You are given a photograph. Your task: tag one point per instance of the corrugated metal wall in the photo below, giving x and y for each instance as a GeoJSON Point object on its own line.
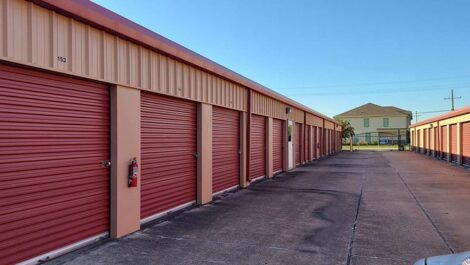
{"type": "Point", "coordinates": [39, 37]}
{"type": "Point", "coordinates": [266, 106]}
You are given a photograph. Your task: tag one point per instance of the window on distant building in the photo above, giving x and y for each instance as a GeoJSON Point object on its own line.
{"type": "Point", "coordinates": [385, 122]}
{"type": "Point", "coordinates": [366, 123]}
{"type": "Point", "coordinates": [368, 140]}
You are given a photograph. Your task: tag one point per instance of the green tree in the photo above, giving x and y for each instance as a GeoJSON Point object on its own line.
{"type": "Point", "coordinates": [348, 130]}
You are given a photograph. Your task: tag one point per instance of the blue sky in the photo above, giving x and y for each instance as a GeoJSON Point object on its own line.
{"type": "Point", "coordinates": [330, 55]}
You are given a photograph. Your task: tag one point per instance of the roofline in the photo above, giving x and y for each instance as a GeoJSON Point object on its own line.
{"type": "Point", "coordinates": [451, 114]}
{"type": "Point", "coordinates": [102, 18]}
{"type": "Point", "coordinates": [373, 115]}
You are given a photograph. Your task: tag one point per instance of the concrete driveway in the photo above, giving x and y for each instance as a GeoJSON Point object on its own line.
{"type": "Point", "coordinates": [354, 208]}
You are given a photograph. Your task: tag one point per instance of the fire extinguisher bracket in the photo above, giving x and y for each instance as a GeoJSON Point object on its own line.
{"type": "Point", "coordinates": [133, 173]}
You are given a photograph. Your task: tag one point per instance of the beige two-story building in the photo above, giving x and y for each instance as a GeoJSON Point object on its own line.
{"type": "Point", "coordinates": [373, 123]}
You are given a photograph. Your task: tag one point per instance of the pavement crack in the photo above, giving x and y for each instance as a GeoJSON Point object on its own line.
{"type": "Point", "coordinates": [428, 216]}
{"type": "Point", "coordinates": [353, 234]}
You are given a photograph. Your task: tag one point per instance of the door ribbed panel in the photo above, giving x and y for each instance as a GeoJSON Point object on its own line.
{"type": "Point", "coordinates": [466, 143]}
{"type": "Point", "coordinates": [258, 147]}
{"type": "Point", "coordinates": [320, 142]}
{"type": "Point", "coordinates": [314, 142]}
{"type": "Point", "coordinates": [54, 132]}
{"type": "Point", "coordinates": [168, 146]}
{"type": "Point", "coordinates": [425, 140]}
{"type": "Point", "coordinates": [306, 143]}
{"type": "Point", "coordinates": [453, 142]}
{"type": "Point", "coordinates": [298, 142]}
{"type": "Point", "coordinates": [278, 150]}
{"type": "Point", "coordinates": [225, 148]}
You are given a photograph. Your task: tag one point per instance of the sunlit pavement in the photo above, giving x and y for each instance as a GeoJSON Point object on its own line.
{"type": "Point", "coordinates": [364, 207]}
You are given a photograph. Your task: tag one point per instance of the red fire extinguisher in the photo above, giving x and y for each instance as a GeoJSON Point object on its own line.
{"type": "Point", "coordinates": [133, 170]}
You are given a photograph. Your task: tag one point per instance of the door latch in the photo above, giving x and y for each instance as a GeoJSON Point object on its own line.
{"type": "Point", "coordinates": [105, 163]}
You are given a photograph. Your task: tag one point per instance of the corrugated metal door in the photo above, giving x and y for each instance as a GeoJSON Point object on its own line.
{"type": "Point", "coordinates": [418, 140]}
{"type": "Point", "coordinates": [413, 146]}
{"type": "Point", "coordinates": [453, 142]}
{"type": "Point", "coordinates": [436, 142]}
{"type": "Point", "coordinates": [444, 142]}
{"type": "Point", "coordinates": [278, 145]}
{"type": "Point", "coordinates": [307, 143]}
{"type": "Point", "coordinates": [327, 141]}
{"type": "Point", "coordinates": [225, 148]}
{"type": "Point", "coordinates": [425, 140]}
{"type": "Point", "coordinates": [168, 148]}
{"type": "Point", "coordinates": [258, 147]}
{"type": "Point", "coordinates": [466, 143]}
{"type": "Point", "coordinates": [320, 142]}
{"type": "Point", "coordinates": [429, 141]}
{"type": "Point", "coordinates": [298, 142]}
{"type": "Point", "coordinates": [54, 133]}
{"type": "Point", "coordinates": [314, 142]}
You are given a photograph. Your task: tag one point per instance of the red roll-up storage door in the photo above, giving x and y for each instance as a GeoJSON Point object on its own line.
{"type": "Point", "coordinates": [418, 140]}
{"type": "Point", "coordinates": [444, 139]}
{"type": "Point", "coordinates": [306, 143]}
{"type": "Point", "coordinates": [425, 140]}
{"type": "Point", "coordinates": [298, 142]}
{"type": "Point", "coordinates": [54, 134]}
{"type": "Point", "coordinates": [168, 148]}
{"type": "Point", "coordinates": [312, 146]}
{"type": "Point", "coordinates": [328, 141]}
{"type": "Point", "coordinates": [453, 142]}
{"type": "Point", "coordinates": [225, 148]}
{"type": "Point", "coordinates": [320, 142]}
{"type": "Point", "coordinates": [258, 147]}
{"type": "Point", "coordinates": [278, 145]}
{"type": "Point", "coordinates": [466, 143]}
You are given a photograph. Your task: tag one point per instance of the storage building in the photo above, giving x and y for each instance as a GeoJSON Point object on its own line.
{"type": "Point", "coordinates": [445, 137]}
{"type": "Point", "coordinates": [84, 91]}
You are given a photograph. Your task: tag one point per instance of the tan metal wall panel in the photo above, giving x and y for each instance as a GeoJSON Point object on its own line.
{"type": "Point", "coordinates": [329, 125]}
{"type": "Point", "coordinates": [314, 120]}
{"type": "Point", "coordinates": [267, 106]}
{"type": "Point", "coordinates": [38, 37]}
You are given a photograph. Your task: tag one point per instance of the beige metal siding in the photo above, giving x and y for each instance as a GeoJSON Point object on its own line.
{"type": "Point", "coordinates": [267, 106]}
{"type": "Point", "coordinates": [314, 120]}
{"type": "Point", "coordinates": [329, 125]}
{"type": "Point", "coordinates": [35, 36]}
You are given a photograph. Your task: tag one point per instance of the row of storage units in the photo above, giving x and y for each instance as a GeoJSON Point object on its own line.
{"type": "Point", "coordinates": [82, 102]}
{"type": "Point", "coordinates": [445, 137]}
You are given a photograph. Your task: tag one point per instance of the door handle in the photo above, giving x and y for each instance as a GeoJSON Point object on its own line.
{"type": "Point", "coordinates": [105, 163]}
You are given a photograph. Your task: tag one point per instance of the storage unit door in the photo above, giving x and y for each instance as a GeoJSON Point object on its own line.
{"type": "Point", "coordinates": [168, 148]}
{"type": "Point", "coordinates": [320, 142]}
{"type": "Point", "coordinates": [328, 141]}
{"type": "Point", "coordinates": [425, 140]}
{"type": "Point", "coordinates": [436, 142]}
{"type": "Point", "coordinates": [453, 142]}
{"type": "Point", "coordinates": [298, 142]}
{"type": "Point", "coordinates": [444, 139]}
{"type": "Point", "coordinates": [418, 140]}
{"type": "Point", "coordinates": [314, 142]}
{"type": "Point", "coordinates": [466, 143]}
{"type": "Point", "coordinates": [258, 147]}
{"type": "Point", "coordinates": [278, 145]}
{"type": "Point", "coordinates": [225, 148]}
{"type": "Point", "coordinates": [54, 134]}
{"type": "Point", "coordinates": [306, 143]}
